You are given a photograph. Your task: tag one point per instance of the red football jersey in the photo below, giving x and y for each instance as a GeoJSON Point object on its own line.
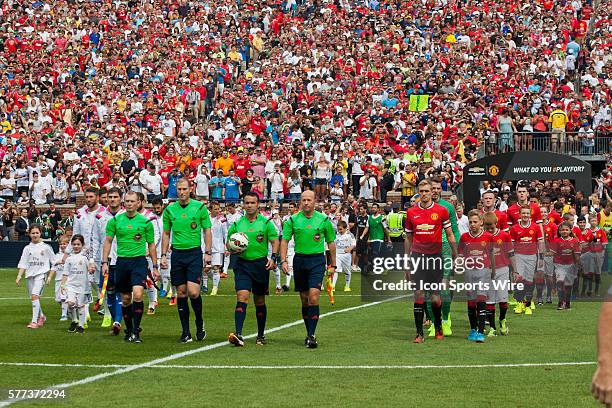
{"type": "Point", "coordinates": [426, 225]}
{"type": "Point", "coordinates": [599, 239]}
{"type": "Point", "coordinates": [526, 238]}
{"type": "Point", "coordinates": [514, 213]}
{"type": "Point", "coordinates": [564, 250]}
{"type": "Point", "coordinates": [476, 247]}
{"type": "Point", "coordinates": [587, 238]}
{"type": "Point", "coordinates": [502, 248]}
{"type": "Point", "coordinates": [555, 217]}
{"type": "Point", "coordinates": [550, 230]}
{"type": "Point", "coordinates": [502, 219]}
{"type": "Point", "coordinates": [577, 233]}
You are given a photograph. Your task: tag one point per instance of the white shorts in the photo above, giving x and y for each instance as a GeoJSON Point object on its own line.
{"type": "Point", "coordinates": [526, 266]}
{"type": "Point", "coordinates": [565, 273]}
{"type": "Point", "coordinates": [217, 259]}
{"type": "Point", "coordinates": [36, 284]}
{"type": "Point", "coordinates": [502, 278]}
{"type": "Point", "coordinates": [59, 296]}
{"type": "Point", "coordinates": [549, 267]}
{"type": "Point", "coordinates": [290, 255]}
{"type": "Point", "coordinates": [343, 262]}
{"type": "Point", "coordinates": [480, 282]}
{"type": "Point", "coordinates": [78, 299]}
{"type": "Point", "coordinates": [592, 262]}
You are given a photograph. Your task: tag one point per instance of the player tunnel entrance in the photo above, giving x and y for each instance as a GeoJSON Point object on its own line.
{"type": "Point", "coordinates": [524, 166]}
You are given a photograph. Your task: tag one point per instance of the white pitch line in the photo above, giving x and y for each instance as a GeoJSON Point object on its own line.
{"type": "Point", "coordinates": [186, 353]}
{"type": "Point", "coordinates": [301, 367]}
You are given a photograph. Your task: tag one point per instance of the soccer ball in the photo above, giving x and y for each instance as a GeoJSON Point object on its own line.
{"type": "Point", "coordinates": [238, 242]}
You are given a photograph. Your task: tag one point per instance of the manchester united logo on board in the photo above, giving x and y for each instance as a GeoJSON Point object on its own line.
{"type": "Point", "coordinates": [435, 216]}
{"type": "Point", "coordinates": [194, 225]}
{"type": "Point", "coordinates": [493, 170]}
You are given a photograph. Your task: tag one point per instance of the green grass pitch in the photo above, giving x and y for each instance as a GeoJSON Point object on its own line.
{"type": "Point", "coordinates": [369, 337]}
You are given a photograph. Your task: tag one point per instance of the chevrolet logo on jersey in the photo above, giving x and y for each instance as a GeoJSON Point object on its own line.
{"type": "Point", "coordinates": [525, 239]}
{"type": "Point", "coordinates": [425, 227]}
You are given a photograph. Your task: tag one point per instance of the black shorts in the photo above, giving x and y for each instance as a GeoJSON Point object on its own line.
{"type": "Point", "coordinates": [130, 272]}
{"type": "Point", "coordinates": [361, 247]}
{"type": "Point", "coordinates": [429, 269]}
{"type": "Point", "coordinates": [308, 271]}
{"type": "Point", "coordinates": [186, 266]}
{"type": "Point", "coordinates": [252, 275]}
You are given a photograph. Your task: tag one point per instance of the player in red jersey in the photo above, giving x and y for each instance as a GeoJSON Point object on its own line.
{"type": "Point", "coordinates": [528, 243]}
{"type": "Point", "coordinates": [488, 206]}
{"type": "Point", "coordinates": [567, 262]}
{"type": "Point", "coordinates": [504, 257]}
{"type": "Point", "coordinates": [475, 247]}
{"type": "Point", "coordinates": [514, 210]}
{"type": "Point", "coordinates": [597, 250]}
{"type": "Point", "coordinates": [585, 243]}
{"type": "Point", "coordinates": [424, 224]}
{"type": "Point", "coordinates": [550, 231]}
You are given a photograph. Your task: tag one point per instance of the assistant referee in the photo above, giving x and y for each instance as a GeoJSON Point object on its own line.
{"type": "Point", "coordinates": [252, 270]}
{"type": "Point", "coordinates": [133, 232]}
{"type": "Point", "coordinates": [310, 230]}
{"type": "Point", "coordinates": [186, 219]}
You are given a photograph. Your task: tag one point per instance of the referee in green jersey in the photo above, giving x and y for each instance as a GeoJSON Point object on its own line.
{"type": "Point", "coordinates": [186, 219]}
{"type": "Point", "coordinates": [133, 232]}
{"type": "Point", "coordinates": [252, 270]}
{"type": "Point", "coordinates": [310, 230]}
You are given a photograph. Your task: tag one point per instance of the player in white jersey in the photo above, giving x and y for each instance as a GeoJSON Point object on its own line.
{"type": "Point", "coordinates": [57, 269]}
{"type": "Point", "coordinates": [112, 303]}
{"type": "Point", "coordinates": [219, 235]}
{"type": "Point", "coordinates": [278, 223]}
{"type": "Point", "coordinates": [345, 243]}
{"type": "Point", "coordinates": [158, 227]}
{"type": "Point", "coordinates": [84, 219]}
{"type": "Point", "coordinates": [151, 289]}
{"type": "Point", "coordinates": [36, 260]}
{"type": "Point", "coordinates": [75, 282]}
{"type": "Point", "coordinates": [290, 248]}
{"type": "Point", "coordinates": [232, 215]}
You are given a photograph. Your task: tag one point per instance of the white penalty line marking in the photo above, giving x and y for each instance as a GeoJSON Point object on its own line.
{"type": "Point", "coordinates": [186, 353]}
{"type": "Point", "coordinates": [301, 367]}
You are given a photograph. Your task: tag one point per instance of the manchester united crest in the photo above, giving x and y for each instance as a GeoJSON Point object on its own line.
{"type": "Point", "coordinates": [435, 216]}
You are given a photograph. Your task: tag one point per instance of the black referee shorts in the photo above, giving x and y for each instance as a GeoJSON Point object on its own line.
{"type": "Point", "coordinates": [429, 269]}
{"type": "Point", "coordinates": [186, 266]}
{"type": "Point", "coordinates": [130, 272]}
{"type": "Point", "coordinates": [308, 271]}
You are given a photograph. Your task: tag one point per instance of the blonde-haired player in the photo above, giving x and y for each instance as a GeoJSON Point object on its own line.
{"type": "Point", "coordinates": [345, 243]}
{"type": "Point", "coordinates": [36, 260]}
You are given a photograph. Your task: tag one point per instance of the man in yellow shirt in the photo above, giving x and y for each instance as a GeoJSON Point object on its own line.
{"type": "Point", "coordinates": [558, 120]}
{"type": "Point", "coordinates": [224, 163]}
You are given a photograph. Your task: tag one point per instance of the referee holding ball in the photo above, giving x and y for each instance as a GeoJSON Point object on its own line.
{"type": "Point", "coordinates": [134, 232]}
{"type": "Point", "coordinates": [310, 230]}
{"type": "Point", "coordinates": [252, 270]}
{"type": "Point", "coordinates": [186, 219]}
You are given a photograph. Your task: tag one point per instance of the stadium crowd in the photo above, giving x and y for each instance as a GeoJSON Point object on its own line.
{"type": "Point", "coordinates": [352, 99]}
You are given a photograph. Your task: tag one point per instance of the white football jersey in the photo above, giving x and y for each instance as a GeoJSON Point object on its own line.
{"type": "Point", "coordinates": [75, 269]}
{"type": "Point", "coordinates": [36, 259]}
{"type": "Point", "coordinates": [344, 241]}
